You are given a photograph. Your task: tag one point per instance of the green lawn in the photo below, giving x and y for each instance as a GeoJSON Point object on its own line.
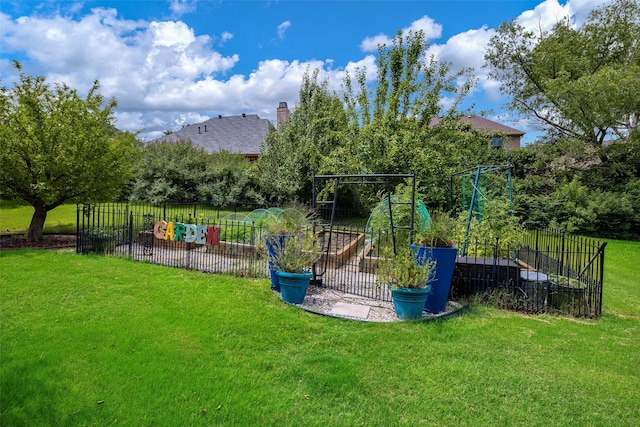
{"type": "Point", "coordinates": [89, 340]}
{"type": "Point", "coordinates": [16, 216]}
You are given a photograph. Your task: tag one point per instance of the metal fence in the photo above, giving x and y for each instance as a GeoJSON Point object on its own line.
{"type": "Point", "coordinates": [574, 266]}
{"type": "Point", "coordinates": [551, 272]}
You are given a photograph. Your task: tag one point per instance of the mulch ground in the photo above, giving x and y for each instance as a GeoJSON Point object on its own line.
{"type": "Point", "coordinates": [51, 241]}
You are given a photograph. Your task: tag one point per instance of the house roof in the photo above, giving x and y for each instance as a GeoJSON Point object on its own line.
{"type": "Point", "coordinates": [481, 123]}
{"type": "Point", "coordinates": [235, 134]}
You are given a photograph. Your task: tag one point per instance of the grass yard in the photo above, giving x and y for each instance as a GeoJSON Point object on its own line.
{"type": "Point", "coordinates": [15, 218]}
{"type": "Point", "coordinates": [88, 340]}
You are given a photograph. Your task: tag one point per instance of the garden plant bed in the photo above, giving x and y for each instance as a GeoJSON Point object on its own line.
{"type": "Point", "coordinates": [343, 246]}
{"type": "Point", "coordinates": [49, 241]}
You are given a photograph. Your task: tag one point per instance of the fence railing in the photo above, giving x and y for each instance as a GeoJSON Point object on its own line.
{"type": "Point", "coordinates": [551, 272]}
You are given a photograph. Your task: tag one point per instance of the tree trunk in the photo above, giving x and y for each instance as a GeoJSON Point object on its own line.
{"type": "Point", "coordinates": [37, 222]}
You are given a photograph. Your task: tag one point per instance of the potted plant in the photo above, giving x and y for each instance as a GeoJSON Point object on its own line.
{"type": "Point", "coordinates": [408, 278]}
{"type": "Point", "coordinates": [292, 261]}
{"type": "Point", "coordinates": [277, 229]}
{"type": "Point", "coordinates": [436, 244]}
{"type": "Point", "coordinates": [103, 240]}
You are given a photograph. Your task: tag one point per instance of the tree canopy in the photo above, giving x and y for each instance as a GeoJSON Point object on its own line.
{"type": "Point", "coordinates": [304, 147]}
{"type": "Point", "coordinates": [57, 147]}
{"type": "Point", "coordinates": [383, 126]}
{"type": "Point", "coordinates": [583, 82]}
{"type": "Point", "coordinates": [391, 127]}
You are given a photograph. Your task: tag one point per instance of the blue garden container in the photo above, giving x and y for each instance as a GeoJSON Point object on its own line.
{"type": "Point", "coordinates": [293, 286]}
{"type": "Point", "coordinates": [445, 259]}
{"type": "Point", "coordinates": [409, 302]}
{"type": "Point", "coordinates": [273, 242]}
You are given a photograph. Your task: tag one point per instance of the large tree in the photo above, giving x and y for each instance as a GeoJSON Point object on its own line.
{"type": "Point", "coordinates": [304, 147]}
{"type": "Point", "coordinates": [58, 147]}
{"type": "Point", "coordinates": [582, 82]}
{"type": "Point", "coordinates": [391, 119]}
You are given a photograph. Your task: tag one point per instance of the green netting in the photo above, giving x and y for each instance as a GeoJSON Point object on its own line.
{"type": "Point", "coordinates": [486, 186]}
{"type": "Point", "coordinates": [482, 192]}
{"type": "Point", "coordinates": [260, 214]}
{"type": "Point", "coordinates": [379, 220]}
{"type": "Point", "coordinates": [276, 211]}
{"type": "Point", "coordinates": [236, 228]}
{"type": "Point", "coordinates": [236, 217]}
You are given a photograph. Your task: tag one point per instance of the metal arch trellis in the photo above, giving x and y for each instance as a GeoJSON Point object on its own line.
{"type": "Point", "coordinates": [362, 179]}
{"type": "Point", "coordinates": [475, 174]}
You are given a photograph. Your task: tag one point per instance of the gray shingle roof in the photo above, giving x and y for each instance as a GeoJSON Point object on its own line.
{"type": "Point", "coordinates": [480, 123]}
{"type": "Point", "coordinates": [236, 134]}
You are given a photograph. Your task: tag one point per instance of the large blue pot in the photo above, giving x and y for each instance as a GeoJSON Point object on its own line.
{"type": "Point", "coordinates": [409, 302]}
{"type": "Point", "coordinates": [274, 242]}
{"type": "Point", "coordinates": [445, 259]}
{"type": "Point", "coordinates": [293, 286]}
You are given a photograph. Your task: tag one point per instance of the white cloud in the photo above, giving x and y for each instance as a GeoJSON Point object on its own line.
{"type": "Point", "coordinates": [145, 65]}
{"type": "Point", "coordinates": [225, 36]}
{"type": "Point", "coordinates": [282, 28]}
{"type": "Point", "coordinates": [427, 25]}
{"type": "Point", "coordinates": [544, 16]}
{"type": "Point", "coordinates": [432, 30]}
{"type": "Point", "coordinates": [171, 34]}
{"type": "Point", "coordinates": [464, 49]}
{"type": "Point", "coordinates": [580, 9]}
{"type": "Point", "coordinates": [181, 7]}
{"type": "Point", "coordinates": [370, 44]}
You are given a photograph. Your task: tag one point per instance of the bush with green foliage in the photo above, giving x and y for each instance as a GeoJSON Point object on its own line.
{"type": "Point", "coordinates": [180, 172]}
{"type": "Point", "coordinates": [562, 185]}
{"type": "Point", "coordinates": [493, 233]}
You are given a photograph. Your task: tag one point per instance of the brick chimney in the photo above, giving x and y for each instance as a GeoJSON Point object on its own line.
{"type": "Point", "coordinates": [283, 115]}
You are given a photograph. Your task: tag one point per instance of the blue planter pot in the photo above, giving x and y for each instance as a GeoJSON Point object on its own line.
{"type": "Point", "coordinates": [445, 259]}
{"type": "Point", "coordinates": [273, 242]}
{"type": "Point", "coordinates": [293, 286]}
{"type": "Point", "coordinates": [409, 302]}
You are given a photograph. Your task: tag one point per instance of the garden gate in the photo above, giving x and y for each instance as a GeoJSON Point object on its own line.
{"type": "Point", "coordinates": [358, 179]}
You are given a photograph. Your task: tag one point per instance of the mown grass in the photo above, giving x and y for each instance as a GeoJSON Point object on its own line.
{"type": "Point", "coordinates": [15, 217]}
{"type": "Point", "coordinates": [622, 278]}
{"type": "Point", "coordinates": [89, 340]}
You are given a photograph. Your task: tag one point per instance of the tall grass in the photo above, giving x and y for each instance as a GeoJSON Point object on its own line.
{"type": "Point", "coordinates": [89, 340]}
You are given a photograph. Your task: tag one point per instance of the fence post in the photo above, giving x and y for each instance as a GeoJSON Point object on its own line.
{"type": "Point", "coordinates": [78, 238]}
{"type": "Point", "coordinates": [601, 274]}
{"type": "Point", "coordinates": [562, 252]}
{"type": "Point", "coordinates": [536, 260]}
{"type": "Point", "coordinates": [131, 234]}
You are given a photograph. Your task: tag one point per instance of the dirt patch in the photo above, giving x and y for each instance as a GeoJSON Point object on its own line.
{"type": "Point", "coordinates": [49, 241]}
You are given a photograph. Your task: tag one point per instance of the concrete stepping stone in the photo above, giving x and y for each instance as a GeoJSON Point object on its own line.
{"type": "Point", "coordinates": [350, 310]}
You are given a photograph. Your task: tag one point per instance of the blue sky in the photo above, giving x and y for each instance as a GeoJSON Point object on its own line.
{"type": "Point", "coordinates": [174, 62]}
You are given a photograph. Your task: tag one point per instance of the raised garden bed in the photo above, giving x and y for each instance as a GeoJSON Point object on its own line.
{"type": "Point", "coordinates": [343, 246]}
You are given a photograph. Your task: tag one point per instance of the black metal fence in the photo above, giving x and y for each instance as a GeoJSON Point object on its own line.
{"type": "Point", "coordinates": [551, 272]}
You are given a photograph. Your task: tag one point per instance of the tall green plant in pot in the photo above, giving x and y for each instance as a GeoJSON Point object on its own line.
{"type": "Point", "coordinates": [103, 240]}
{"type": "Point", "coordinates": [408, 278]}
{"type": "Point", "coordinates": [293, 260]}
{"type": "Point", "coordinates": [293, 220]}
{"type": "Point", "coordinates": [436, 244]}
{"type": "Point", "coordinates": [567, 294]}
